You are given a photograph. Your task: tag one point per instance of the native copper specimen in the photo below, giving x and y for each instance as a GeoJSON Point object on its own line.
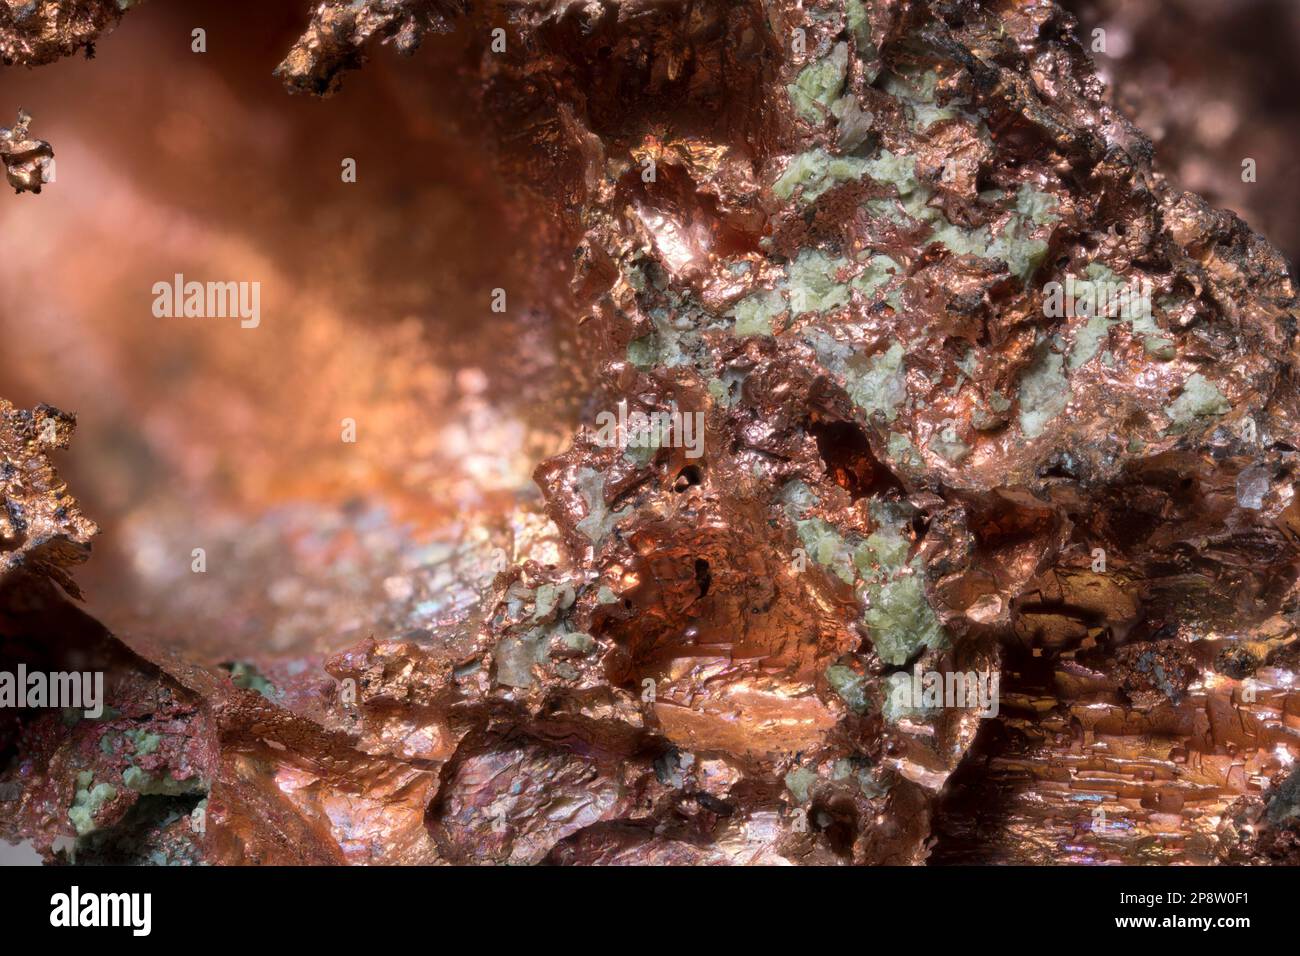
{"type": "Point", "coordinates": [41, 31]}
{"type": "Point", "coordinates": [27, 161]}
{"type": "Point", "coordinates": [42, 530]}
{"type": "Point", "coordinates": [1209, 82]}
{"type": "Point", "coordinates": [339, 32]}
{"type": "Point", "coordinates": [931, 495]}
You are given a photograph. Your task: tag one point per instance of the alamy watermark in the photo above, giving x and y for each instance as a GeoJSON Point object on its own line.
{"type": "Point", "coordinates": [209, 300]}
{"type": "Point", "coordinates": [1093, 297]}
{"type": "Point", "coordinates": [74, 690]}
{"type": "Point", "coordinates": [75, 908]}
{"type": "Point", "coordinates": [932, 690]}
{"type": "Point", "coordinates": [670, 429]}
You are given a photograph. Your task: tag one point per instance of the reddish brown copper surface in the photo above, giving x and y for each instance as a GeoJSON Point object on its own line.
{"type": "Point", "coordinates": [829, 231]}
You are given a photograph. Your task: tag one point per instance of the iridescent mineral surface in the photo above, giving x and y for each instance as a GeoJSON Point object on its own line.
{"type": "Point", "coordinates": [931, 495]}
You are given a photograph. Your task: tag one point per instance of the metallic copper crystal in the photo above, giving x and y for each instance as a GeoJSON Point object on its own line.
{"type": "Point", "coordinates": [27, 161]}
{"type": "Point", "coordinates": [829, 229]}
{"type": "Point", "coordinates": [41, 31]}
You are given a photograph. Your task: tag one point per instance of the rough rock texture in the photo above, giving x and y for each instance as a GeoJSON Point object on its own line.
{"type": "Point", "coordinates": [1207, 81]}
{"type": "Point", "coordinates": [42, 31]}
{"type": "Point", "coordinates": [830, 231]}
{"type": "Point", "coordinates": [339, 32]}
{"type": "Point", "coordinates": [42, 530]}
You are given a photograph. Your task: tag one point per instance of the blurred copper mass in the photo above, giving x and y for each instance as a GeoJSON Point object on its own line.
{"type": "Point", "coordinates": [640, 432]}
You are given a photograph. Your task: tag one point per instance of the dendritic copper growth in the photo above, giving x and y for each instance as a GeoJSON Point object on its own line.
{"type": "Point", "coordinates": [889, 462]}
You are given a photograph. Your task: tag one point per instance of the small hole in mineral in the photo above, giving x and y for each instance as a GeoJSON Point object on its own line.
{"type": "Point", "coordinates": [688, 476]}
{"type": "Point", "coordinates": [702, 576]}
{"type": "Point", "coordinates": [837, 820]}
{"type": "Point", "coordinates": [845, 451]}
